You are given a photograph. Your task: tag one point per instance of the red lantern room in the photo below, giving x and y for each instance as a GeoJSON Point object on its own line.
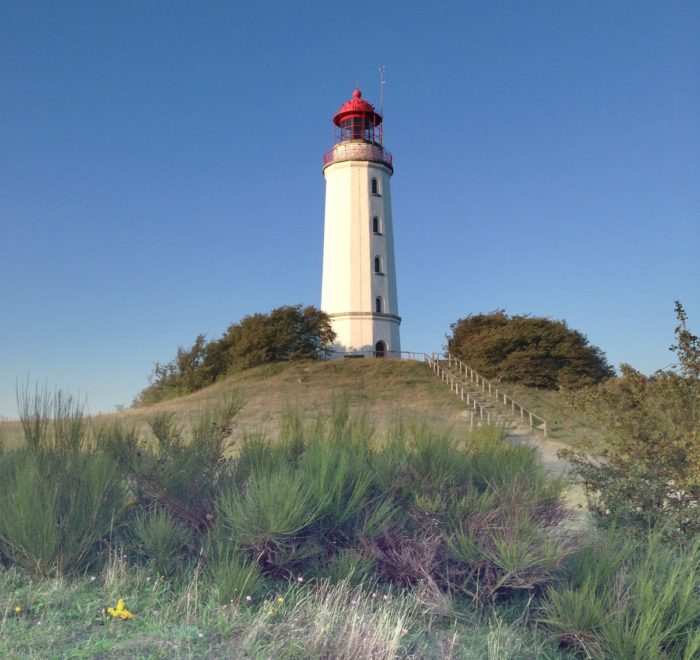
{"type": "Point", "coordinates": [357, 120]}
{"type": "Point", "coordinates": [358, 133]}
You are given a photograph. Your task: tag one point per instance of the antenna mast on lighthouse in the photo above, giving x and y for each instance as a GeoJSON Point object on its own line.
{"type": "Point", "coordinates": [382, 82]}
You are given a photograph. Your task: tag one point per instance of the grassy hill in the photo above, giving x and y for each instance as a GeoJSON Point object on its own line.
{"type": "Point", "coordinates": [384, 390]}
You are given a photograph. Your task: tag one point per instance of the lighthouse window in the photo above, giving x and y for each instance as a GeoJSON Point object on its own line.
{"type": "Point", "coordinates": [378, 305]}
{"type": "Point", "coordinates": [376, 225]}
{"type": "Point", "coordinates": [375, 186]}
{"type": "Point", "coordinates": [378, 266]}
{"type": "Point", "coordinates": [352, 129]}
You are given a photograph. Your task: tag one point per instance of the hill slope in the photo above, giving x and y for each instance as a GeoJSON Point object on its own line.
{"type": "Point", "coordinates": [382, 389]}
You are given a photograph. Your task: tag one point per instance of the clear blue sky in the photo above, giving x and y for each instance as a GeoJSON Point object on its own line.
{"type": "Point", "coordinates": [160, 171]}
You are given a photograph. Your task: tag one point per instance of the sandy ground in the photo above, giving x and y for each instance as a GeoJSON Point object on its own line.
{"type": "Point", "coordinates": [548, 452]}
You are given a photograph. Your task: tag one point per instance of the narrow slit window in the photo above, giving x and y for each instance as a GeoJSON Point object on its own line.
{"type": "Point", "coordinates": [378, 305]}
{"type": "Point", "coordinates": [378, 266]}
{"type": "Point", "coordinates": [375, 186]}
{"type": "Point", "coordinates": [377, 226]}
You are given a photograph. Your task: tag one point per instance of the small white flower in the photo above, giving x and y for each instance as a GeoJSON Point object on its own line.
{"type": "Point", "coordinates": [300, 579]}
{"type": "Point", "coordinates": [92, 578]}
{"type": "Point", "coordinates": [248, 599]}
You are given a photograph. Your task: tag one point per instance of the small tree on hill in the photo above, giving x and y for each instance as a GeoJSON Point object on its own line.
{"type": "Point", "coordinates": [535, 351]}
{"type": "Point", "coordinates": [291, 332]}
{"type": "Point", "coordinates": [286, 333]}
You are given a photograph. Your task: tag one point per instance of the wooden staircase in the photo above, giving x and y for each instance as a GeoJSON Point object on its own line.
{"type": "Point", "coordinates": [486, 403]}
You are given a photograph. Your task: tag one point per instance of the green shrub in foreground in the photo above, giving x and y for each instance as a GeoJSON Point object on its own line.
{"type": "Point", "coordinates": [160, 540]}
{"type": "Point", "coordinates": [628, 600]}
{"type": "Point", "coordinates": [171, 472]}
{"type": "Point", "coordinates": [59, 495]}
{"type": "Point", "coordinates": [237, 578]}
{"type": "Point", "coordinates": [478, 517]}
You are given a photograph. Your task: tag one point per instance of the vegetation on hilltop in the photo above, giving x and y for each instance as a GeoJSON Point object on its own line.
{"type": "Point", "coordinates": [286, 333]}
{"type": "Point", "coordinates": [534, 351]}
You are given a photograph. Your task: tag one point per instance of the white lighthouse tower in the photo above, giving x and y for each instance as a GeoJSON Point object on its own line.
{"type": "Point", "coordinates": [359, 273]}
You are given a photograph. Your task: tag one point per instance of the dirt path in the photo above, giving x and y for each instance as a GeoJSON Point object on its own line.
{"type": "Point", "coordinates": [547, 451]}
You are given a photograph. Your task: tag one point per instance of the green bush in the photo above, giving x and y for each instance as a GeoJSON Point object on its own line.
{"type": "Point", "coordinates": [286, 333]}
{"type": "Point", "coordinates": [349, 566]}
{"type": "Point", "coordinates": [60, 496]}
{"type": "Point", "coordinates": [535, 351]}
{"type": "Point", "coordinates": [479, 519]}
{"type": "Point", "coordinates": [160, 540]}
{"type": "Point", "coordinates": [171, 472]}
{"type": "Point", "coordinates": [648, 472]}
{"type": "Point", "coordinates": [340, 481]}
{"type": "Point", "coordinates": [236, 577]}
{"type": "Point", "coordinates": [644, 603]}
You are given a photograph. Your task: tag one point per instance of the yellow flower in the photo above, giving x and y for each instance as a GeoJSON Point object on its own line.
{"type": "Point", "coordinates": [18, 609]}
{"type": "Point", "coordinates": [120, 612]}
{"type": "Point", "coordinates": [280, 600]}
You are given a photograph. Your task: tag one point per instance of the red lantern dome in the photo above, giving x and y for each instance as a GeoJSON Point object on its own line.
{"type": "Point", "coordinates": [358, 120]}
{"type": "Point", "coordinates": [357, 108]}
{"type": "Point", "coordinates": [358, 135]}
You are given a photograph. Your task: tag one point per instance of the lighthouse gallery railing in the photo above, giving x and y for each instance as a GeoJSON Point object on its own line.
{"type": "Point", "coordinates": [358, 151]}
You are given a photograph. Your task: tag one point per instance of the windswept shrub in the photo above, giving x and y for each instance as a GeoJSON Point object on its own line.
{"type": "Point", "coordinates": [236, 577]}
{"type": "Point", "coordinates": [478, 519]}
{"type": "Point", "coordinates": [269, 519]}
{"type": "Point", "coordinates": [340, 481]}
{"type": "Point", "coordinates": [349, 566]}
{"type": "Point", "coordinates": [535, 351]}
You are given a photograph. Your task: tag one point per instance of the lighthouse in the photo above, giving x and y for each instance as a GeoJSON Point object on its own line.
{"type": "Point", "coordinates": [359, 272]}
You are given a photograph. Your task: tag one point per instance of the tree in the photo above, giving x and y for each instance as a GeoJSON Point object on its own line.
{"type": "Point", "coordinates": [648, 473]}
{"type": "Point", "coordinates": [535, 351]}
{"type": "Point", "coordinates": [290, 332]}
{"type": "Point", "coordinates": [286, 333]}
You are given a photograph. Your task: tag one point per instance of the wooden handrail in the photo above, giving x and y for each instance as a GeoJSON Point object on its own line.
{"type": "Point", "coordinates": [534, 421]}
{"type": "Point", "coordinates": [477, 409]}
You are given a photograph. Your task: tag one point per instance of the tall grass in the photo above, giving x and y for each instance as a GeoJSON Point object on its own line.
{"type": "Point", "coordinates": [477, 516]}
{"type": "Point", "coordinates": [59, 495]}
{"type": "Point", "coordinates": [629, 600]}
{"type": "Point", "coordinates": [323, 514]}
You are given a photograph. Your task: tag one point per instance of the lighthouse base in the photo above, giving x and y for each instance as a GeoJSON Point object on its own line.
{"type": "Point", "coordinates": [366, 334]}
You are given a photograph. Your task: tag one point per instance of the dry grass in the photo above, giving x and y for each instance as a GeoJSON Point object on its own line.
{"type": "Point", "coordinates": [564, 423]}
{"type": "Point", "coordinates": [384, 390]}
